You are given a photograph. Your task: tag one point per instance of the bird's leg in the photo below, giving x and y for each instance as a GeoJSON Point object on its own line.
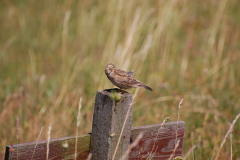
{"type": "Point", "coordinates": [123, 90]}
{"type": "Point", "coordinates": [120, 90]}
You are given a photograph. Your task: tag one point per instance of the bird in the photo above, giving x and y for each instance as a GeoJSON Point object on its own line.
{"type": "Point", "coordinates": [122, 79]}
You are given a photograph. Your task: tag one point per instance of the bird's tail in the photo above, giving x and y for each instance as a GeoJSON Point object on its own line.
{"type": "Point", "coordinates": [148, 88]}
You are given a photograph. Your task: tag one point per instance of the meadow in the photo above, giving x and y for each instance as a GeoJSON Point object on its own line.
{"type": "Point", "coordinates": [54, 52]}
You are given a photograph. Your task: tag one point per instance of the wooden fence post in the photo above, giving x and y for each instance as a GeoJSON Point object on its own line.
{"type": "Point", "coordinates": [108, 119]}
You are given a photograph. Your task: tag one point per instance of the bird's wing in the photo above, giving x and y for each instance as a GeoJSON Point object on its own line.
{"type": "Point", "coordinates": [125, 78]}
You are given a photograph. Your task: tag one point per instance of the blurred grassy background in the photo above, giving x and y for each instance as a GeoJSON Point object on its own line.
{"type": "Point", "coordinates": [54, 52]}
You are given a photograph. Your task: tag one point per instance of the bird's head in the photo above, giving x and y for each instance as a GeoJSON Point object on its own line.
{"type": "Point", "coordinates": [109, 68]}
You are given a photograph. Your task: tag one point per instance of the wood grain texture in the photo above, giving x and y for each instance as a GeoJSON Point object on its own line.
{"type": "Point", "coordinates": [108, 118]}
{"type": "Point", "coordinates": [56, 150]}
{"type": "Point", "coordinates": [158, 141]}
{"type": "Point", "coordinates": [163, 149]}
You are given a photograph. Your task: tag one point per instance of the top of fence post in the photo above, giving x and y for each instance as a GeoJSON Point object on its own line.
{"type": "Point", "coordinates": [110, 110]}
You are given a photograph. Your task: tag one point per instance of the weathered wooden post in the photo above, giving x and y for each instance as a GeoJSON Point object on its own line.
{"type": "Point", "coordinates": [108, 119]}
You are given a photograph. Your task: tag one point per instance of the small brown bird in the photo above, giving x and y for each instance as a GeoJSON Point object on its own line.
{"type": "Point", "coordinates": [122, 79]}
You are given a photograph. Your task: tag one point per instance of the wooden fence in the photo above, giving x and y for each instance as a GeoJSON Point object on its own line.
{"type": "Point", "coordinates": [110, 119]}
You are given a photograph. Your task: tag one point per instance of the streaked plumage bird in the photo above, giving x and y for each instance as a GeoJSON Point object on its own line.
{"type": "Point", "coordinates": [122, 79]}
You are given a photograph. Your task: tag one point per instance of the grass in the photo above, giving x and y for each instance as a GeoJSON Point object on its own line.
{"type": "Point", "coordinates": [53, 52]}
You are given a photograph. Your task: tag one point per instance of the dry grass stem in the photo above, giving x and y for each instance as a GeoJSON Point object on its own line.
{"type": "Point", "coordinates": [231, 151]}
{"type": "Point", "coordinates": [151, 154]}
{"type": "Point", "coordinates": [48, 142]}
{"type": "Point", "coordinates": [189, 151]}
{"type": "Point", "coordinates": [69, 78]}
{"type": "Point", "coordinates": [132, 146]}
{"type": "Point", "coordinates": [118, 142]}
{"type": "Point", "coordinates": [89, 156]}
{"type": "Point", "coordinates": [37, 142]}
{"type": "Point", "coordinates": [17, 135]}
{"type": "Point", "coordinates": [175, 148]}
{"type": "Point", "coordinates": [64, 39]}
{"type": "Point", "coordinates": [225, 137]}
{"type": "Point", "coordinates": [176, 139]}
{"type": "Point", "coordinates": [78, 124]}
{"type": "Point", "coordinates": [124, 123]}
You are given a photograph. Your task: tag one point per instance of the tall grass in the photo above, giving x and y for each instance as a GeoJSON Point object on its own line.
{"type": "Point", "coordinates": [48, 140]}
{"type": "Point", "coordinates": [51, 52]}
{"type": "Point", "coordinates": [78, 124]}
{"type": "Point", "coordinates": [37, 143]}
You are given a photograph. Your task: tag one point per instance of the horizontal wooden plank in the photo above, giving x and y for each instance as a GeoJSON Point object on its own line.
{"type": "Point", "coordinates": [56, 149]}
{"type": "Point", "coordinates": [164, 139]}
{"type": "Point", "coordinates": [158, 141]}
